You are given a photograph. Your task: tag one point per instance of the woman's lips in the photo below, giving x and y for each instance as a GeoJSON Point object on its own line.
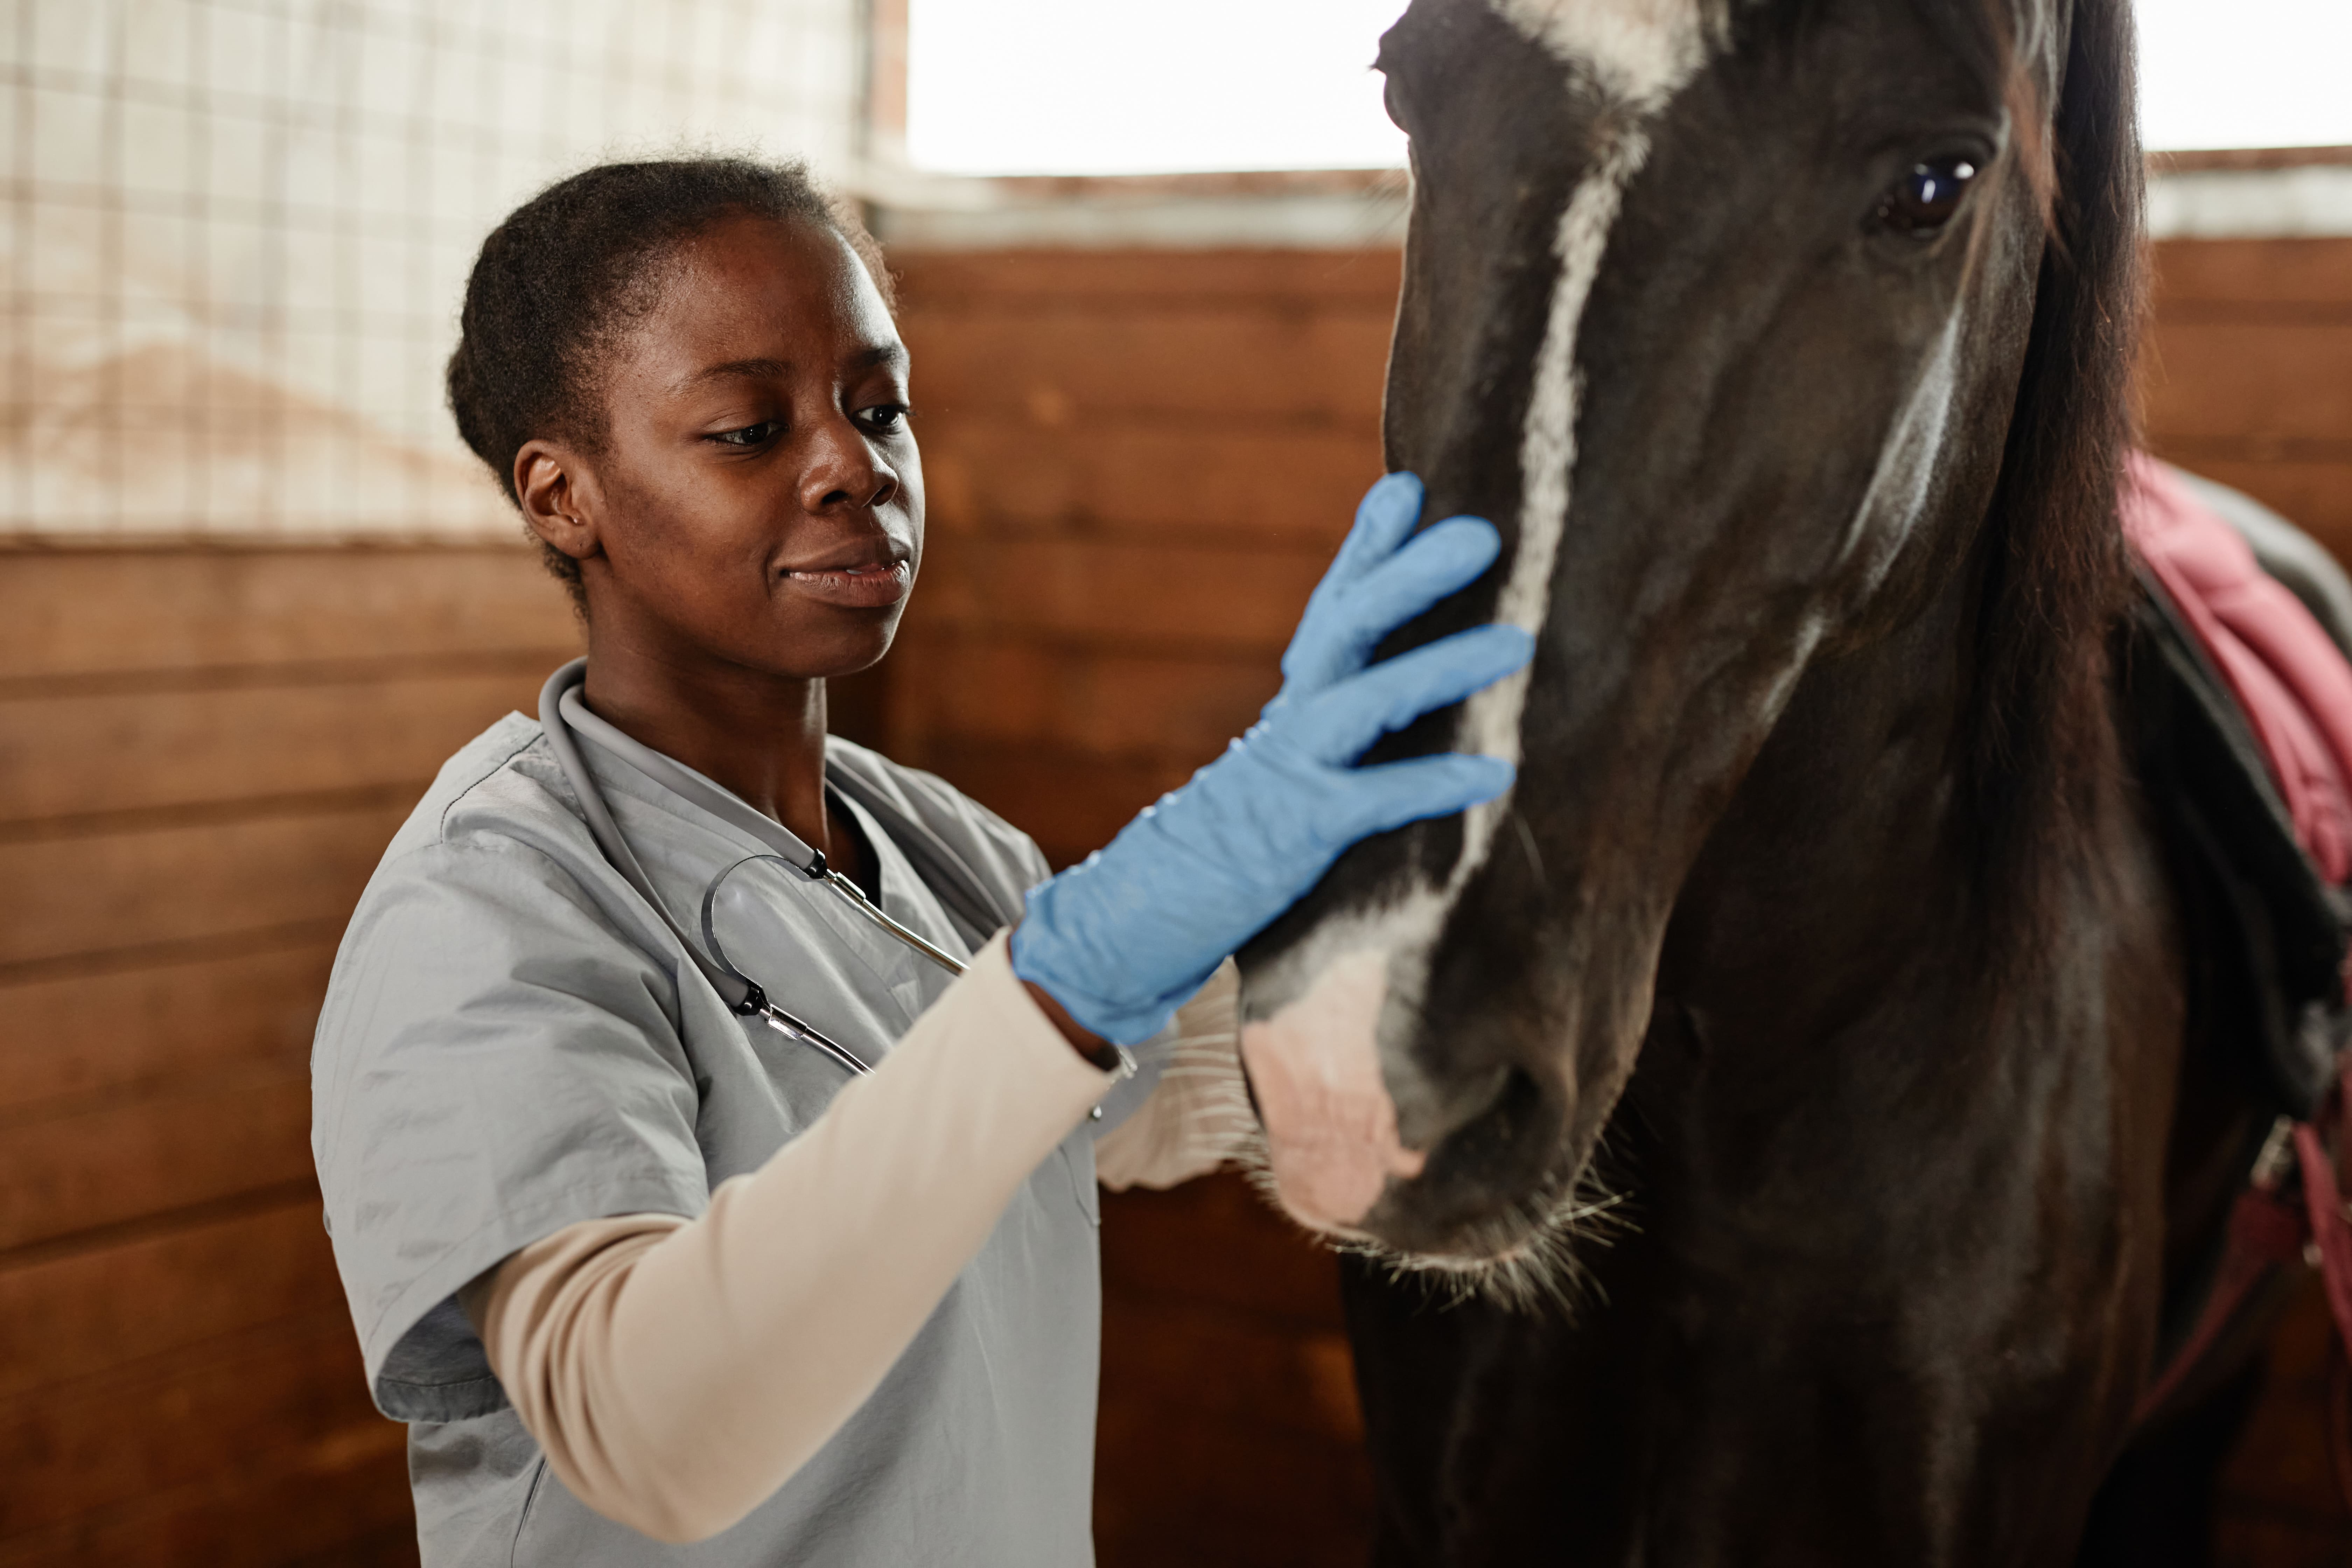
{"type": "Point", "coordinates": [854, 587]}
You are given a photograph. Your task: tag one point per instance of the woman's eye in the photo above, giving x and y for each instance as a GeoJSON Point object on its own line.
{"type": "Point", "coordinates": [751, 435]}
{"type": "Point", "coordinates": [1923, 200]}
{"type": "Point", "coordinates": [886, 416]}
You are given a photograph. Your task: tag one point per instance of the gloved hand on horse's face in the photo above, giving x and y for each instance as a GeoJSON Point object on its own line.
{"type": "Point", "coordinates": [1120, 940]}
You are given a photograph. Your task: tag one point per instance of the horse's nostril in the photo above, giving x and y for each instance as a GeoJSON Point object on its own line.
{"type": "Point", "coordinates": [1497, 1135]}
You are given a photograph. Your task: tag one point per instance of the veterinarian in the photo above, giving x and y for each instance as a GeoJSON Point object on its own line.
{"type": "Point", "coordinates": [682, 1189]}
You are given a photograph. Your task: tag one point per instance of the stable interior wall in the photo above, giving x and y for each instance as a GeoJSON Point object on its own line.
{"type": "Point", "coordinates": [2247, 377]}
{"type": "Point", "coordinates": [1138, 464]}
{"type": "Point", "coordinates": [202, 755]}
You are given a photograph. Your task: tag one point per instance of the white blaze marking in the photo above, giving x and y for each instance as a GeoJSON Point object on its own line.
{"type": "Point", "coordinates": [1365, 971]}
{"type": "Point", "coordinates": [1546, 466]}
{"type": "Point", "coordinates": [1639, 52]}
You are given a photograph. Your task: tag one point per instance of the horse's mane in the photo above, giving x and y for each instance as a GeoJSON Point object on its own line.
{"type": "Point", "coordinates": [2050, 562]}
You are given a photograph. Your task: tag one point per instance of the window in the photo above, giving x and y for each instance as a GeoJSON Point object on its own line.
{"type": "Point", "coordinates": [239, 232]}
{"type": "Point", "coordinates": [2245, 73]}
{"type": "Point", "coordinates": [1121, 87]}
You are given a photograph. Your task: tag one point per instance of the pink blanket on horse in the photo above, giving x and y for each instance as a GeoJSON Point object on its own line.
{"type": "Point", "coordinates": [2294, 686]}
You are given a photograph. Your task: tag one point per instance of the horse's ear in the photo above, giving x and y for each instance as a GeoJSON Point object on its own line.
{"type": "Point", "coordinates": [2053, 571]}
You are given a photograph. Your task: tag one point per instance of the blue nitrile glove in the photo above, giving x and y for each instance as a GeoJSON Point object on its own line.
{"type": "Point", "coordinates": [1123, 938]}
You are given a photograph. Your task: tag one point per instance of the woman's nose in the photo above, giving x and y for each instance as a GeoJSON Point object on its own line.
{"type": "Point", "coordinates": [844, 472]}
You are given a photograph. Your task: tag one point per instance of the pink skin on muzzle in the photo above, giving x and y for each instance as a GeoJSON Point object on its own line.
{"type": "Point", "coordinates": [1330, 1126]}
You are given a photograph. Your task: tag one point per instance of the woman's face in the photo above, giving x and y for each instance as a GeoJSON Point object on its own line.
{"type": "Point", "coordinates": [758, 501]}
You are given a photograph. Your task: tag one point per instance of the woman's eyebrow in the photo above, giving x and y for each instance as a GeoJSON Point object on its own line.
{"type": "Point", "coordinates": [770, 369]}
{"type": "Point", "coordinates": [735, 369]}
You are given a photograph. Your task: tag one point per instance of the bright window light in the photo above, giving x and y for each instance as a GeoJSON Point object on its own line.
{"type": "Point", "coordinates": [1137, 87]}
{"type": "Point", "coordinates": [2245, 73]}
{"type": "Point", "coordinates": [1126, 87]}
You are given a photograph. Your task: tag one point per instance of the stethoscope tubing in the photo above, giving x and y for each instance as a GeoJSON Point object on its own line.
{"type": "Point", "coordinates": [740, 992]}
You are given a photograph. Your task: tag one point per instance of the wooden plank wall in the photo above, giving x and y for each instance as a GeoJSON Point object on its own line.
{"type": "Point", "coordinates": [2248, 375]}
{"type": "Point", "coordinates": [1138, 464]}
{"type": "Point", "coordinates": [202, 754]}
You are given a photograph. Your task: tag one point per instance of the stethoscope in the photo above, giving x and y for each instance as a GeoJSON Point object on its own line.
{"type": "Point", "coordinates": [737, 989]}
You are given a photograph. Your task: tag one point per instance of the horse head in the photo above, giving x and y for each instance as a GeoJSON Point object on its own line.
{"type": "Point", "coordinates": [1729, 313]}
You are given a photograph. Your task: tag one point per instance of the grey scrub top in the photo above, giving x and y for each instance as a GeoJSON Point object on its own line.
{"type": "Point", "coordinates": [513, 1042]}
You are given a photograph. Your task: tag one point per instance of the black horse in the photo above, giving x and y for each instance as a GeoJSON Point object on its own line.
{"type": "Point", "coordinates": [1789, 341]}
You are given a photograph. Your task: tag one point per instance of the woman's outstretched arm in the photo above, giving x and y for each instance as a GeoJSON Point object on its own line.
{"type": "Point", "coordinates": [677, 1372]}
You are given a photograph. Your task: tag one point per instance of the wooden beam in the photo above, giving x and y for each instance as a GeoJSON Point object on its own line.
{"type": "Point", "coordinates": [73, 754]}
{"type": "Point", "coordinates": [105, 893]}
{"type": "Point", "coordinates": [154, 1297]}
{"type": "Point", "coordinates": [181, 1147]}
{"type": "Point", "coordinates": [84, 612]}
{"type": "Point", "coordinates": [186, 1020]}
{"type": "Point", "coordinates": [1002, 474]}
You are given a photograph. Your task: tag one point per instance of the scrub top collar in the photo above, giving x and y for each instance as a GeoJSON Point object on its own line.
{"type": "Point", "coordinates": [972, 909]}
{"type": "Point", "coordinates": [672, 775]}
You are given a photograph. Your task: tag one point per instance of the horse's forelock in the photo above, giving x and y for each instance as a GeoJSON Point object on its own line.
{"type": "Point", "coordinates": [2052, 568]}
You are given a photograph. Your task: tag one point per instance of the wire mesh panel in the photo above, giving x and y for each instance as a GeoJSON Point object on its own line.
{"type": "Point", "coordinates": [236, 231]}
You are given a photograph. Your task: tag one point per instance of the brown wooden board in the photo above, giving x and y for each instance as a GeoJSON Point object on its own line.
{"type": "Point", "coordinates": [76, 1036]}
{"type": "Point", "coordinates": [2245, 374]}
{"type": "Point", "coordinates": [2280, 383]}
{"type": "Point", "coordinates": [997, 474]}
{"type": "Point", "coordinates": [339, 1501]}
{"type": "Point", "coordinates": [2250, 275]}
{"type": "Point", "coordinates": [1005, 689]}
{"type": "Point", "coordinates": [75, 1313]}
{"type": "Point", "coordinates": [1230, 1429]}
{"type": "Point", "coordinates": [1179, 1488]}
{"type": "Point", "coordinates": [1216, 1244]}
{"type": "Point", "coordinates": [106, 892]}
{"type": "Point", "coordinates": [179, 1146]}
{"type": "Point", "coordinates": [1065, 365]}
{"type": "Point", "coordinates": [1124, 594]}
{"type": "Point", "coordinates": [1149, 280]}
{"type": "Point", "coordinates": [74, 752]}
{"type": "Point", "coordinates": [83, 613]}
{"type": "Point", "coordinates": [1069, 802]}
{"type": "Point", "coordinates": [107, 1440]}
{"type": "Point", "coordinates": [1238, 1367]}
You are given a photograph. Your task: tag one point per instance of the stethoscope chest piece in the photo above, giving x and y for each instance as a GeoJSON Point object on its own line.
{"type": "Point", "coordinates": [731, 905]}
{"type": "Point", "coordinates": [737, 988]}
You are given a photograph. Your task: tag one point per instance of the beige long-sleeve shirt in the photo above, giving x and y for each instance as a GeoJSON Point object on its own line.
{"type": "Point", "coordinates": [677, 1372]}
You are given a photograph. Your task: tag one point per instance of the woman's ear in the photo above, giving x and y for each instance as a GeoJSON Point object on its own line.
{"type": "Point", "coordinates": [558, 498]}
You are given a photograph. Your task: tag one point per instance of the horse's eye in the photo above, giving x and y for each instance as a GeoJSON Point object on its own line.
{"type": "Point", "coordinates": [1923, 200]}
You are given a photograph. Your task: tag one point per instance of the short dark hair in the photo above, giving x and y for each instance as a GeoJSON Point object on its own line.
{"type": "Point", "coordinates": [571, 267]}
